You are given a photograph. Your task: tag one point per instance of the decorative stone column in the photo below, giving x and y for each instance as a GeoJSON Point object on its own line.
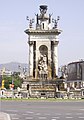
{"type": "Point", "coordinates": [31, 64]}
{"type": "Point", "coordinates": [55, 56]}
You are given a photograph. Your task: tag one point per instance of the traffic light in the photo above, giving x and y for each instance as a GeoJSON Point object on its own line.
{"type": "Point", "coordinates": [0, 80]}
{"type": "Point", "coordinates": [27, 86]}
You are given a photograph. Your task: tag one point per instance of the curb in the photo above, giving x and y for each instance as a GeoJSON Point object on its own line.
{"type": "Point", "coordinates": [4, 116]}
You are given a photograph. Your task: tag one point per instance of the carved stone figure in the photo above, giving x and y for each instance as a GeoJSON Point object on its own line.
{"type": "Point", "coordinates": [42, 66]}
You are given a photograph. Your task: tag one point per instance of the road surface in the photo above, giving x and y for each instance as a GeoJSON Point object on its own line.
{"type": "Point", "coordinates": [43, 110]}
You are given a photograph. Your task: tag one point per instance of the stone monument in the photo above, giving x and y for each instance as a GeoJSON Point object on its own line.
{"type": "Point", "coordinates": [43, 43]}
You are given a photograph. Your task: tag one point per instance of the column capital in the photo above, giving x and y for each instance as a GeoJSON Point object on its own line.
{"type": "Point", "coordinates": [55, 42]}
{"type": "Point", "coordinates": [30, 42]}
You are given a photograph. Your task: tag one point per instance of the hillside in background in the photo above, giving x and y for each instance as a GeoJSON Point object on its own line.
{"type": "Point", "coordinates": [14, 66]}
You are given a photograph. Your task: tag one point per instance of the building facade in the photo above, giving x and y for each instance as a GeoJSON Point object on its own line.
{"type": "Point", "coordinates": [75, 72]}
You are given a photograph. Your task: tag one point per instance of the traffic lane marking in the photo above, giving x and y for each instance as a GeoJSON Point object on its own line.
{"type": "Point", "coordinates": [30, 118]}
{"type": "Point", "coordinates": [12, 114]}
{"type": "Point", "coordinates": [79, 113]}
{"type": "Point", "coordinates": [42, 117]}
{"type": "Point", "coordinates": [38, 114]}
{"type": "Point", "coordinates": [69, 117]}
{"type": "Point", "coordinates": [81, 109]}
{"type": "Point", "coordinates": [81, 117]}
{"type": "Point", "coordinates": [55, 117]}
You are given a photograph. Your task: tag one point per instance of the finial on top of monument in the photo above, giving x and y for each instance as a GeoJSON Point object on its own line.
{"type": "Point", "coordinates": [30, 21]}
{"type": "Point", "coordinates": [55, 21]}
{"type": "Point", "coordinates": [43, 9]}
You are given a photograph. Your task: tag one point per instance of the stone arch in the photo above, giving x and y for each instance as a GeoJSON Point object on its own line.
{"type": "Point", "coordinates": [43, 50]}
{"type": "Point", "coordinates": [43, 62]}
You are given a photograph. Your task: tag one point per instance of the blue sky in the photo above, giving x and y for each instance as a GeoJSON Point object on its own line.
{"type": "Point", "coordinates": [13, 40]}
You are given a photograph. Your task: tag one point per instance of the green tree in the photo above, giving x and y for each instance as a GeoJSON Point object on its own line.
{"type": "Point", "coordinates": [13, 79]}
